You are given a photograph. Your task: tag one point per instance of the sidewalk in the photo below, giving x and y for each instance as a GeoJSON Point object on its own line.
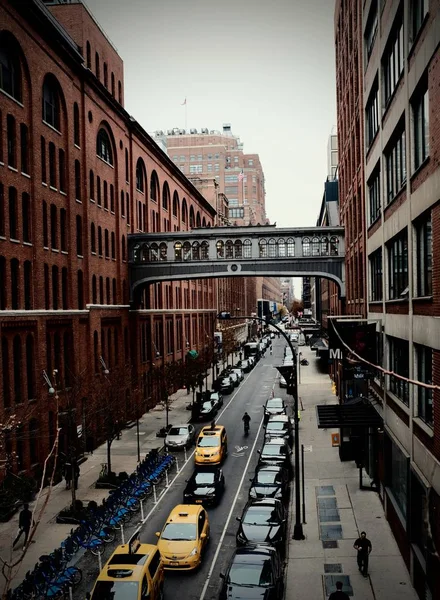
{"type": "Point", "coordinates": [333, 486]}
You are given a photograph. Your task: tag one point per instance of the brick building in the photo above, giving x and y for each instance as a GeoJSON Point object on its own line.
{"type": "Point", "coordinates": [77, 175]}
{"type": "Point", "coordinates": [398, 103]}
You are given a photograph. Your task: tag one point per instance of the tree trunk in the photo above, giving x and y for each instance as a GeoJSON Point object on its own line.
{"type": "Point", "coordinates": [167, 409]}
{"type": "Point", "coordinates": [109, 458]}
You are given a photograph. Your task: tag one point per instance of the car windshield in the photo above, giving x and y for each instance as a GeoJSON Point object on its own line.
{"type": "Point", "coordinates": [267, 477]}
{"type": "Point", "coordinates": [179, 531]}
{"type": "Point", "coordinates": [208, 442]}
{"type": "Point", "coordinates": [116, 590]}
{"type": "Point", "coordinates": [275, 403]}
{"type": "Point", "coordinates": [260, 515]}
{"type": "Point", "coordinates": [207, 406]}
{"type": "Point", "coordinates": [204, 478]}
{"type": "Point", "coordinates": [276, 426]}
{"type": "Point", "coordinates": [178, 431]}
{"type": "Point", "coordinates": [248, 575]}
{"type": "Point", "coordinates": [272, 450]}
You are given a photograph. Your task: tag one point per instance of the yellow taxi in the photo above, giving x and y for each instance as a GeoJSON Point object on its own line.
{"type": "Point", "coordinates": [211, 446]}
{"type": "Point", "coordinates": [134, 571]}
{"type": "Point", "coordinates": [184, 537]}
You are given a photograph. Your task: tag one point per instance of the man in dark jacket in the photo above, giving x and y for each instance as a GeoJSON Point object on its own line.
{"type": "Point", "coordinates": [339, 594]}
{"type": "Point", "coordinates": [363, 547]}
{"type": "Point", "coordinates": [24, 525]}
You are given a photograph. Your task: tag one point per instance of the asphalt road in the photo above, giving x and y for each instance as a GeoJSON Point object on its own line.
{"type": "Point", "coordinates": [239, 466]}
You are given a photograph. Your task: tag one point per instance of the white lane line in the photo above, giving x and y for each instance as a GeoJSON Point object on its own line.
{"type": "Point", "coordinates": [222, 537]}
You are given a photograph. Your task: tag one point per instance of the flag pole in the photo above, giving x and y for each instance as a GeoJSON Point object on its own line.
{"type": "Point", "coordinates": [186, 113]}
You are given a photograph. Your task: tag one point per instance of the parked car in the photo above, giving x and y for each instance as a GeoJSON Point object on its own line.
{"type": "Point", "coordinates": [234, 377]}
{"type": "Point", "coordinates": [270, 481]}
{"type": "Point", "coordinates": [208, 410]}
{"type": "Point", "coordinates": [217, 398]}
{"type": "Point", "coordinates": [252, 361]}
{"type": "Point", "coordinates": [253, 572]}
{"type": "Point", "coordinates": [180, 436]}
{"type": "Point", "coordinates": [245, 365]}
{"type": "Point", "coordinates": [283, 382]}
{"type": "Point", "coordinates": [226, 385]}
{"type": "Point", "coordinates": [263, 521]}
{"type": "Point", "coordinates": [205, 486]}
{"type": "Point", "coordinates": [279, 426]}
{"type": "Point", "coordinates": [239, 372]}
{"type": "Point", "coordinates": [274, 406]}
{"type": "Point", "coordinates": [276, 451]}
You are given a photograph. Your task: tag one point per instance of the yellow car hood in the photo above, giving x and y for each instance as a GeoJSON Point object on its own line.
{"type": "Point", "coordinates": [177, 548]}
{"type": "Point", "coordinates": [208, 451]}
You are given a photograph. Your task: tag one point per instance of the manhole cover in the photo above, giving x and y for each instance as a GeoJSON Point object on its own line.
{"type": "Point", "coordinates": [328, 544]}
{"type": "Point", "coordinates": [333, 568]}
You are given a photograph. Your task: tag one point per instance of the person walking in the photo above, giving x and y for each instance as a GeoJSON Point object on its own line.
{"type": "Point", "coordinates": [363, 547]}
{"type": "Point", "coordinates": [270, 351]}
{"type": "Point", "coordinates": [339, 594]}
{"type": "Point", "coordinates": [24, 525]}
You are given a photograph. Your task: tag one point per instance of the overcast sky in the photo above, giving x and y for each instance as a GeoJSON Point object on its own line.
{"type": "Point", "coordinates": [268, 68]}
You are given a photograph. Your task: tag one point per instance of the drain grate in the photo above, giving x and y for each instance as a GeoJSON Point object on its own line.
{"type": "Point", "coordinates": [325, 490]}
{"type": "Point", "coordinates": [331, 532]}
{"type": "Point", "coordinates": [333, 568]}
{"type": "Point", "coordinates": [330, 584]}
{"type": "Point", "coordinates": [326, 503]}
{"type": "Point", "coordinates": [329, 544]}
{"type": "Point", "coordinates": [329, 515]}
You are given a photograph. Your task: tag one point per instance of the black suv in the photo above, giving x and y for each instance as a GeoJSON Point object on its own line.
{"type": "Point", "coordinates": [270, 481]}
{"type": "Point", "coordinates": [276, 451]}
{"type": "Point", "coordinates": [205, 486]}
{"type": "Point", "coordinates": [279, 426]}
{"type": "Point", "coordinates": [254, 572]}
{"type": "Point", "coordinates": [274, 406]}
{"type": "Point", "coordinates": [263, 521]}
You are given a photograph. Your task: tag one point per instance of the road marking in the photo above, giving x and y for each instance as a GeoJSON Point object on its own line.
{"type": "Point", "coordinates": [241, 448]}
{"type": "Point", "coordinates": [222, 537]}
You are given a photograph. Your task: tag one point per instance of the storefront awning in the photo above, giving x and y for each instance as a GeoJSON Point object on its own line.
{"type": "Point", "coordinates": [356, 413]}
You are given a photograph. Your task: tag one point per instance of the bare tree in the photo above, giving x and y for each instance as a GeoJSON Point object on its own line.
{"type": "Point", "coordinates": [166, 379]}
{"type": "Point", "coordinates": [229, 343]}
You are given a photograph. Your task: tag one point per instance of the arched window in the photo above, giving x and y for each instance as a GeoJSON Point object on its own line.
{"type": "Point", "coordinates": [119, 92]}
{"type": "Point", "coordinates": [247, 249]}
{"type": "Point", "coordinates": [281, 247]}
{"type": "Point", "coordinates": [97, 67]}
{"type": "Point", "coordinates": [15, 284]}
{"type": "Point", "coordinates": [79, 240]}
{"type": "Point", "coordinates": [166, 196]}
{"type": "Point", "coordinates": [220, 247]}
{"type": "Point", "coordinates": [28, 296]}
{"type": "Point", "coordinates": [186, 251]}
{"type": "Point", "coordinates": [191, 218]}
{"type": "Point", "coordinates": [107, 298]}
{"type": "Point", "coordinates": [55, 287]}
{"type": "Point", "coordinates": [76, 124]}
{"type": "Point", "coordinates": [175, 204]}
{"type": "Point", "coordinates": [140, 175]}
{"type": "Point", "coordinates": [262, 244]}
{"type": "Point", "coordinates": [324, 246]}
{"type": "Point", "coordinates": [80, 290]}
{"type": "Point", "coordinates": [203, 222]}
{"type": "Point", "coordinates": [113, 245]}
{"type": "Point", "coordinates": [154, 187]}
{"type": "Point", "coordinates": [101, 290]}
{"type": "Point", "coordinates": [196, 251]}
{"type": "Point", "coordinates": [198, 220]}
{"type": "Point", "coordinates": [315, 246]}
{"type": "Point", "coordinates": [18, 370]}
{"type": "Point", "coordinates": [238, 249]}
{"type": "Point", "coordinates": [92, 185]}
{"type": "Point", "coordinates": [204, 254]}
{"type": "Point", "coordinates": [306, 246]}
{"type": "Point", "coordinates": [88, 55]}
{"type": "Point", "coordinates": [51, 103]}
{"type": "Point", "coordinates": [30, 367]}
{"type": "Point", "coordinates": [229, 249]}
{"type": "Point", "coordinates": [114, 295]}
{"type": "Point", "coordinates": [93, 238]}
{"type": "Point", "coordinates": [3, 295]}
{"type": "Point", "coordinates": [163, 251]}
{"type": "Point", "coordinates": [106, 244]}
{"type": "Point", "coordinates": [103, 146]}
{"type": "Point", "coordinates": [334, 245]}
{"type": "Point", "coordinates": [105, 75]}
{"type": "Point", "coordinates": [272, 248]}
{"type": "Point", "coordinates": [77, 180]}
{"type": "Point", "coordinates": [94, 290]}
{"type": "Point", "coordinates": [184, 211]}
{"type": "Point", "coordinates": [154, 252]}
{"type": "Point", "coordinates": [290, 247]}
{"type": "Point", "coordinates": [113, 89]}
{"type": "Point", "coordinates": [178, 251]}
{"type": "Point", "coordinates": [10, 71]}
{"type": "Point", "coordinates": [99, 240]}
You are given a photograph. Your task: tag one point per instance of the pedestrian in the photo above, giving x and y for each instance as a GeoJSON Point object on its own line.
{"type": "Point", "coordinates": [24, 525]}
{"type": "Point", "coordinates": [68, 474]}
{"type": "Point", "coordinates": [339, 594]}
{"type": "Point", "coordinates": [363, 547]}
{"type": "Point", "coordinates": [76, 475]}
{"type": "Point", "coordinates": [270, 350]}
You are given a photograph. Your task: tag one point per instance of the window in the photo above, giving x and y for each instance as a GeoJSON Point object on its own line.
{"type": "Point", "coordinates": [62, 170]}
{"type": "Point", "coordinates": [166, 197]}
{"type": "Point", "coordinates": [209, 167]}
{"type": "Point", "coordinates": [376, 276]}
{"type": "Point", "coordinates": [424, 374]}
{"type": "Point", "coordinates": [55, 288]}
{"type": "Point", "coordinates": [12, 141]}
{"type": "Point", "coordinates": [231, 179]}
{"type": "Point", "coordinates": [13, 214]}
{"type": "Point", "coordinates": [10, 74]}
{"type": "Point", "coordinates": [397, 477]}
{"type": "Point", "coordinates": [92, 238]}
{"type": "Point", "coordinates": [97, 67]}
{"type": "Point", "coordinates": [140, 175]}
{"type": "Point", "coordinates": [371, 29]}
{"type": "Point", "coordinates": [52, 166]}
{"type": "Point", "coordinates": [51, 104]}
{"type": "Point", "coordinates": [88, 55]}
{"type": "Point", "coordinates": [24, 148]}
{"type": "Point", "coordinates": [103, 147]}
{"type": "Point", "coordinates": [53, 227]}
{"type": "Point", "coordinates": [251, 163]}
{"type": "Point", "coordinates": [2, 211]}
{"type": "Point", "coordinates": [418, 10]}
{"type": "Point", "coordinates": [393, 62]}
{"type": "Point", "coordinates": [15, 284]}
{"type": "Point", "coordinates": [79, 242]}
{"type": "Point", "coordinates": [80, 290]}
{"type": "Point", "coordinates": [105, 195]}
{"type": "Point", "coordinates": [424, 256]}
{"type": "Point", "coordinates": [196, 168]}
{"type": "Point", "coordinates": [119, 92]}
{"type": "Point", "coordinates": [112, 198]}
{"type": "Point", "coordinates": [26, 217]}
{"type": "Point", "coordinates": [372, 115]}
{"type": "Point", "coordinates": [106, 244]}
{"type": "Point", "coordinates": [46, 287]}
{"type": "Point", "coordinates": [236, 213]}
{"type": "Point", "coordinates": [399, 363]}
{"type": "Point", "coordinates": [105, 75]}
{"type": "Point", "coordinates": [216, 167]}
{"type": "Point", "coordinates": [99, 240]}
{"type": "Point", "coordinates": [98, 190]}
{"type": "Point", "coordinates": [45, 227]}
{"type": "Point", "coordinates": [113, 245]}
{"type": "Point", "coordinates": [154, 187]}
{"type": "Point", "coordinates": [420, 108]}
{"type": "Point", "coordinates": [398, 266]}
{"type": "Point", "coordinates": [64, 292]}
{"type": "Point", "coordinates": [231, 189]}
{"type": "Point", "coordinates": [28, 304]}
{"type": "Point", "coordinates": [63, 230]}
{"type": "Point", "coordinates": [374, 195]}
{"type": "Point", "coordinates": [396, 167]}
{"type": "Point", "coordinates": [113, 84]}
{"type": "Point", "coordinates": [43, 160]}
{"type": "Point", "coordinates": [76, 124]}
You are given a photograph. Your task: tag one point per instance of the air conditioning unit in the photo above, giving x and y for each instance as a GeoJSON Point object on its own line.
{"type": "Point", "coordinates": [182, 132]}
{"type": "Point", "coordinates": [205, 130]}
{"type": "Point", "coordinates": [169, 132]}
{"type": "Point", "coordinates": [193, 130]}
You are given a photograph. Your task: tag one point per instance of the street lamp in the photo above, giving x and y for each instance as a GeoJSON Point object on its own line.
{"type": "Point", "coordinates": [292, 383]}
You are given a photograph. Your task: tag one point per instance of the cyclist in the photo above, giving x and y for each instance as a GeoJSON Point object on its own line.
{"type": "Point", "coordinates": [246, 420]}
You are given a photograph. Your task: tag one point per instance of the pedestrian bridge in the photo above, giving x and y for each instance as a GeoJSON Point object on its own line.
{"type": "Point", "coordinates": [236, 251]}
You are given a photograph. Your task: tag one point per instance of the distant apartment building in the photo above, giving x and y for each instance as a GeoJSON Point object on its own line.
{"type": "Point", "coordinates": [287, 291]}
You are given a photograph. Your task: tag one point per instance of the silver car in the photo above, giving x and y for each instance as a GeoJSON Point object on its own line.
{"type": "Point", "coordinates": [239, 373]}
{"type": "Point", "coordinates": [180, 436]}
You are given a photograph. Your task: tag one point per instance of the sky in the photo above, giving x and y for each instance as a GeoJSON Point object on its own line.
{"type": "Point", "coordinates": [267, 68]}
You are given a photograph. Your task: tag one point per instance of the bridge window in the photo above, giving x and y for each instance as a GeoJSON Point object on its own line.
{"type": "Point", "coordinates": [324, 246]}
{"type": "Point", "coordinates": [306, 246]}
{"type": "Point", "coordinates": [204, 250]}
{"type": "Point", "coordinates": [247, 249]}
{"type": "Point", "coordinates": [136, 253]}
{"type": "Point", "coordinates": [238, 249]}
{"type": "Point", "coordinates": [196, 251]}
{"type": "Point", "coordinates": [229, 249]}
{"type": "Point", "coordinates": [272, 248]}
{"type": "Point", "coordinates": [145, 254]}
{"type": "Point", "coordinates": [186, 251]}
{"type": "Point", "coordinates": [281, 247]}
{"type": "Point", "coordinates": [220, 249]}
{"type": "Point", "coordinates": [334, 246]}
{"type": "Point", "coordinates": [315, 246]}
{"type": "Point", "coordinates": [290, 247]}
{"type": "Point", "coordinates": [154, 252]}
{"type": "Point", "coordinates": [178, 251]}
{"type": "Point", "coordinates": [163, 250]}
{"type": "Point", "coordinates": [263, 248]}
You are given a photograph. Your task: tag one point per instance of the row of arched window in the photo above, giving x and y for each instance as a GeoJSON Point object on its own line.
{"type": "Point", "coordinates": [229, 249]}
{"type": "Point", "coordinates": [18, 369]}
{"type": "Point", "coordinates": [105, 192]}
{"type": "Point", "coordinates": [16, 284]}
{"type": "Point", "coordinates": [15, 215]}
{"type": "Point", "coordinates": [17, 144]}
{"type": "Point", "coordinates": [109, 84]}
{"type": "Point", "coordinates": [102, 242]}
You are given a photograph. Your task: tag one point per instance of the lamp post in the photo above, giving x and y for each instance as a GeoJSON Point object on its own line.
{"type": "Point", "coordinates": [292, 383]}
